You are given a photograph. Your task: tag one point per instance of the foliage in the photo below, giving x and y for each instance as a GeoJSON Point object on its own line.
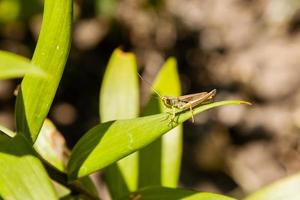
{"type": "Point", "coordinates": [30, 169]}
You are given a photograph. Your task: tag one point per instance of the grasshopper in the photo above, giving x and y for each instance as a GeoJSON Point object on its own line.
{"type": "Point", "coordinates": [185, 102]}
{"type": "Point", "coordinates": [189, 101]}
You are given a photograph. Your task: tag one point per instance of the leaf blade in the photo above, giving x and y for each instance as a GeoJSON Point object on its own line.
{"type": "Point", "coordinates": [160, 161]}
{"type": "Point", "coordinates": [51, 146]}
{"type": "Point", "coordinates": [111, 141]}
{"type": "Point", "coordinates": [22, 174]}
{"type": "Point", "coordinates": [15, 66]}
{"type": "Point", "coordinates": [119, 99]}
{"type": "Point", "coordinates": [36, 94]}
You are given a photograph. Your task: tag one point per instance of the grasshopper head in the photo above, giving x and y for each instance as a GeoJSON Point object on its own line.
{"type": "Point", "coordinates": [166, 101]}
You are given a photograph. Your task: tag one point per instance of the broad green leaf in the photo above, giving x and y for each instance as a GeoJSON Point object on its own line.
{"type": "Point", "coordinates": [51, 145]}
{"type": "Point", "coordinates": [287, 188]}
{"type": "Point", "coordinates": [152, 193]}
{"type": "Point", "coordinates": [111, 141]}
{"type": "Point", "coordinates": [36, 94]}
{"type": "Point", "coordinates": [160, 161]}
{"type": "Point", "coordinates": [22, 174]}
{"type": "Point", "coordinates": [119, 99]}
{"type": "Point", "coordinates": [15, 66]}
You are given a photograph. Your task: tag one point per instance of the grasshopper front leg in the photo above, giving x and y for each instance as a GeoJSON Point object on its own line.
{"type": "Point", "coordinates": [173, 116]}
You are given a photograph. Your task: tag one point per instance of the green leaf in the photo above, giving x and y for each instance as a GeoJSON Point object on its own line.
{"type": "Point", "coordinates": [160, 161]}
{"type": "Point", "coordinates": [111, 141]}
{"type": "Point", "coordinates": [51, 145]}
{"type": "Point", "coordinates": [119, 96]}
{"type": "Point", "coordinates": [151, 193]}
{"type": "Point", "coordinates": [119, 99]}
{"type": "Point", "coordinates": [287, 188]}
{"type": "Point", "coordinates": [22, 174]}
{"type": "Point", "coordinates": [15, 66]}
{"type": "Point", "coordinates": [36, 94]}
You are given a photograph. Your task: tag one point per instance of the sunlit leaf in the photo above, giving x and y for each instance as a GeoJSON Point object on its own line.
{"type": "Point", "coordinates": [15, 66]}
{"type": "Point", "coordinates": [119, 99]}
{"type": "Point", "coordinates": [52, 146]}
{"type": "Point", "coordinates": [36, 94]}
{"type": "Point", "coordinates": [22, 174]}
{"type": "Point", "coordinates": [160, 161]}
{"type": "Point", "coordinates": [111, 141]}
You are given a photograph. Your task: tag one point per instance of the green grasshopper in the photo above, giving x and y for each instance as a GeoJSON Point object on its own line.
{"type": "Point", "coordinates": [185, 102]}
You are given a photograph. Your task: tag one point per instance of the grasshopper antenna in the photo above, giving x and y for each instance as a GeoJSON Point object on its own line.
{"type": "Point", "coordinates": [149, 85]}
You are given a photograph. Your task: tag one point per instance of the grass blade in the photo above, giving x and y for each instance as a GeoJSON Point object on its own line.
{"type": "Point", "coordinates": [160, 161]}
{"type": "Point", "coordinates": [119, 99]}
{"type": "Point", "coordinates": [36, 94]}
{"type": "Point", "coordinates": [111, 141]}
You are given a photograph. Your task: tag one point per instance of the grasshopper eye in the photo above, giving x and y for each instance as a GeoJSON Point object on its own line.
{"type": "Point", "coordinates": [165, 100]}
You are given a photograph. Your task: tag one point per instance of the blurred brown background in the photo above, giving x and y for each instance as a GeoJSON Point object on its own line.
{"type": "Point", "coordinates": [247, 49]}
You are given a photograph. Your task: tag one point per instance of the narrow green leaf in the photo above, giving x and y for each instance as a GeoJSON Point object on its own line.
{"type": "Point", "coordinates": [111, 141]}
{"type": "Point", "coordinates": [287, 188]}
{"type": "Point", "coordinates": [51, 145]}
{"type": "Point", "coordinates": [15, 66]}
{"type": "Point", "coordinates": [151, 193]}
{"type": "Point", "coordinates": [36, 94]}
{"type": "Point", "coordinates": [119, 99]}
{"type": "Point", "coordinates": [119, 96]}
{"type": "Point", "coordinates": [160, 161]}
{"type": "Point", "coordinates": [22, 174]}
